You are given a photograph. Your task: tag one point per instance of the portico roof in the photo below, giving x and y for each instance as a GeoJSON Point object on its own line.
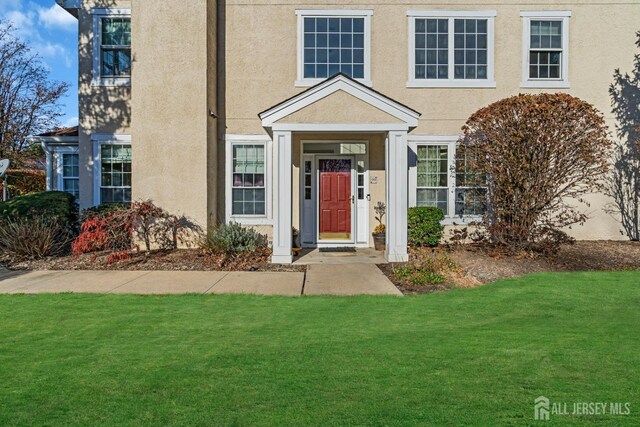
{"type": "Point", "coordinates": [340, 82]}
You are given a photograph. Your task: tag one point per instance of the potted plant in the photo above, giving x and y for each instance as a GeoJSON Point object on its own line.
{"type": "Point", "coordinates": [379, 233]}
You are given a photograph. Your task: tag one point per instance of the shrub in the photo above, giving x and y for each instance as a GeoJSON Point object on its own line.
{"type": "Point", "coordinates": [25, 181]}
{"type": "Point", "coordinates": [50, 204]}
{"type": "Point", "coordinates": [105, 230]}
{"type": "Point", "coordinates": [541, 155]}
{"type": "Point", "coordinates": [425, 268]}
{"type": "Point", "coordinates": [34, 237]}
{"type": "Point", "coordinates": [424, 226]}
{"type": "Point", "coordinates": [233, 238]}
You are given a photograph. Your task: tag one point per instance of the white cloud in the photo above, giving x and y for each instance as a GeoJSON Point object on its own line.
{"type": "Point", "coordinates": [70, 122]}
{"type": "Point", "coordinates": [56, 17]}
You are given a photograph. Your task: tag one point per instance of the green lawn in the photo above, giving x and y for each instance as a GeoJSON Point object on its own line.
{"type": "Point", "coordinates": [478, 356]}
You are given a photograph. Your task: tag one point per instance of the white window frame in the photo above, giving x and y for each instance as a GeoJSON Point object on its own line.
{"type": "Point", "coordinates": [60, 152]}
{"type": "Point", "coordinates": [451, 141]}
{"type": "Point", "coordinates": [230, 141]}
{"type": "Point", "coordinates": [333, 13]}
{"type": "Point", "coordinates": [545, 15]}
{"type": "Point", "coordinates": [451, 15]}
{"type": "Point", "coordinates": [98, 141]}
{"type": "Point", "coordinates": [97, 15]}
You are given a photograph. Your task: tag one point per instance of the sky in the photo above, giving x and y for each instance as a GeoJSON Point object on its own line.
{"type": "Point", "coordinates": [53, 33]}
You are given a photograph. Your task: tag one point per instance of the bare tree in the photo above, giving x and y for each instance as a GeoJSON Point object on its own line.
{"type": "Point", "coordinates": [29, 100]}
{"type": "Point", "coordinates": [624, 185]}
{"type": "Point", "coordinates": [541, 155]}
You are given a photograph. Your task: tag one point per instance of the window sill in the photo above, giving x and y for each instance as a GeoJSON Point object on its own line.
{"type": "Point", "coordinates": [313, 82]}
{"type": "Point", "coordinates": [112, 82]}
{"type": "Point", "coordinates": [452, 84]}
{"type": "Point", "coordinates": [250, 220]}
{"type": "Point", "coordinates": [542, 84]}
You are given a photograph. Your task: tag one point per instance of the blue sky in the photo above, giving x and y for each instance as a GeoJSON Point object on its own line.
{"type": "Point", "coordinates": [53, 34]}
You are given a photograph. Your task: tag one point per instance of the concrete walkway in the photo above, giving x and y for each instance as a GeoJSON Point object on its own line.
{"type": "Point", "coordinates": [356, 279]}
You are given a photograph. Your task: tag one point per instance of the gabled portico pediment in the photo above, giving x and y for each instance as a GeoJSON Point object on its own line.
{"type": "Point", "coordinates": [340, 100]}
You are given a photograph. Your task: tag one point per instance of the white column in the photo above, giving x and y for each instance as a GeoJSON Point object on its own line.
{"type": "Point", "coordinates": [397, 183]}
{"type": "Point", "coordinates": [282, 198]}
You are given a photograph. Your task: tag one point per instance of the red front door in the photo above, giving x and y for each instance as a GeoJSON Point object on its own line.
{"type": "Point", "coordinates": [335, 199]}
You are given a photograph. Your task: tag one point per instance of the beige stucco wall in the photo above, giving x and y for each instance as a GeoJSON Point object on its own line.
{"type": "Point", "coordinates": [171, 123]}
{"type": "Point", "coordinates": [261, 64]}
{"type": "Point", "coordinates": [102, 110]}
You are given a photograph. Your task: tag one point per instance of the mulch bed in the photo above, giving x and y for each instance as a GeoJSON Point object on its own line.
{"type": "Point", "coordinates": [173, 260]}
{"type": "Point", "coordinates": [480, 266]}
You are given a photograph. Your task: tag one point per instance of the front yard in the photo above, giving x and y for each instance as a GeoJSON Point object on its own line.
{"type": "Point", "coordinates": [470, 356]}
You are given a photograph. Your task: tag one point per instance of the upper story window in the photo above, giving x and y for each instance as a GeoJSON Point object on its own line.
{"type": "Point", "coordinates": [332, 42]}
{"type": "Point", "coordinates": [112, 47]}
{"type": "Point", "coordinates": [545, 60]}
{"type": "Point", "coordinates": [451, 49]}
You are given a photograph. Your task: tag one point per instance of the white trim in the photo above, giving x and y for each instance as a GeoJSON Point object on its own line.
{"type": "Point", "coordinates": [98, 140]}
{"type": "Point", "coordinates": [282, 197]}
{"type": "Point", "coordinates": [332, 85]}
{"type": "Point", "coordinates": [230, 141]}
{"type": "Point", "coordinates": [396, 180]}
{"type": "Point", "coordinates": [97, 14]}
{"type": "Point", "coordinates": [339, 127]}
{"type": "Point", "coordinates": [451, 141]}
{"type": "Point", "coordinates": [301, 81]}
{"type": "Point", "coordinates": [451, 82]}
{"type": "Point", "coordinates": [547, 15]}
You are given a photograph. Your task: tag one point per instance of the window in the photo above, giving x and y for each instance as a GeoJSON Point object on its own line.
{"type": "Point", "coordinates": [112, 47]}
{"type": "Point", "coordinates": [545, 62]}
{"type": "Point", "coordinates": [332, 42]}
{"type": "Point", "coordinates": [444, 177]}
{"type": "Point", "coordinates": [248, 186]}
{"type": "Point", "coordinates": [71, 174]}
{"type": "Point", "coordinates": [451, 49]}
{"type": "Point", "coordinates": [115, 173]}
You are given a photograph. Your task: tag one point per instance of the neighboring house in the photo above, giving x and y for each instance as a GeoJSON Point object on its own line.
{"type": "Point", "coordinates": [291, 114]}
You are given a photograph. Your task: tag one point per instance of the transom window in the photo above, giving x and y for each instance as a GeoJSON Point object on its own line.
{"type": "Point", "coordinates": [451, 49]}
{"type": "Point", "coordinates": [333, 42]}
{"type": "Point", "coordinates": [545, 58]}
{"type": "Point", "coordinates": [444, 178]}
{"type": "Point", "coordinates": [71, 174]}
{"type": "Point", "coordinates": [115, 173]}
{"type": "Point", "coordinates": [248, 185]}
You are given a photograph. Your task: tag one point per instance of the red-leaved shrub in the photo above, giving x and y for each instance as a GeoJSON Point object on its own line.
{"type": "Point", "coordinates": [110, 230]}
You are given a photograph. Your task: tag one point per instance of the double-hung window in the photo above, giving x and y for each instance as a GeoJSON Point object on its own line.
{"type": "Point", "coordinates": [444, 177]}
{"type": "Point", "coordinates": [248, 194]}
{"type": "Point", "coordinates": [451, 49]}
{"type": "Point", "coordinates": [545, 61]}
{"type": "Point", "coordinates": [115, 173]}
{"type": "Point", "coordinates": [332, 42]}
{"type": "Point", "coordinates": [112, 47]}
{"type": "Point", "coordinates": [70, 173]}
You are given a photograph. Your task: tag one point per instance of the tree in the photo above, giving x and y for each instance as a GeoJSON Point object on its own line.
{"type": "Point", "coordinates": [541, 155]}
{"type": "Point", "coordinates": [624, 182]}
{"type": "Point", "coordinates": [29, 100]}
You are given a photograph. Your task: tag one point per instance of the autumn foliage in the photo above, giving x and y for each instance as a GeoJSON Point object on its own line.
{"type": "Point", "coordinates": [541, 155]}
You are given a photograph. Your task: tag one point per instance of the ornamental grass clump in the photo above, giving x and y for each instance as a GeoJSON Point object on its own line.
{"type": "Point", "coordinates": [541, 155]}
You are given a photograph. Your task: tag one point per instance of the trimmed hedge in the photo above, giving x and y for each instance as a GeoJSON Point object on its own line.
{"type": "Point", "coordinates": [424, 226]}
{"type": "Point", "coordinates": [56, 204]}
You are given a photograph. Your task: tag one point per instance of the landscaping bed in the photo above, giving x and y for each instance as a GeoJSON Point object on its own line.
{"type": "Point", "coordinates": [169, 260]}
{"type": "Point", "coordinates": [470, 265]}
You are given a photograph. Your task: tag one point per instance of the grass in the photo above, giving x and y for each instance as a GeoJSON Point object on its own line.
{"type": "Point", "coordinates": [475, 357]}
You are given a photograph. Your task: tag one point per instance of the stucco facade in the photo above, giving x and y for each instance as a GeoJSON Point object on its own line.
{"type": "Point", "coordinates": [204, 71]}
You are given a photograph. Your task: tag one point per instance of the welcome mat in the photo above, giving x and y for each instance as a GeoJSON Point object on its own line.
{"type": "Point", "coordinates": [346, 249]}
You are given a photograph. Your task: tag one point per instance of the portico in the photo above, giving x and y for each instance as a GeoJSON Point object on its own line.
{"type": "Point", "coordinates": [339, 131]}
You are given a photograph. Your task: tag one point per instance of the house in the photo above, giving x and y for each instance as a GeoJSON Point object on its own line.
{"type": "Point", "coordinates": [306, 114]}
